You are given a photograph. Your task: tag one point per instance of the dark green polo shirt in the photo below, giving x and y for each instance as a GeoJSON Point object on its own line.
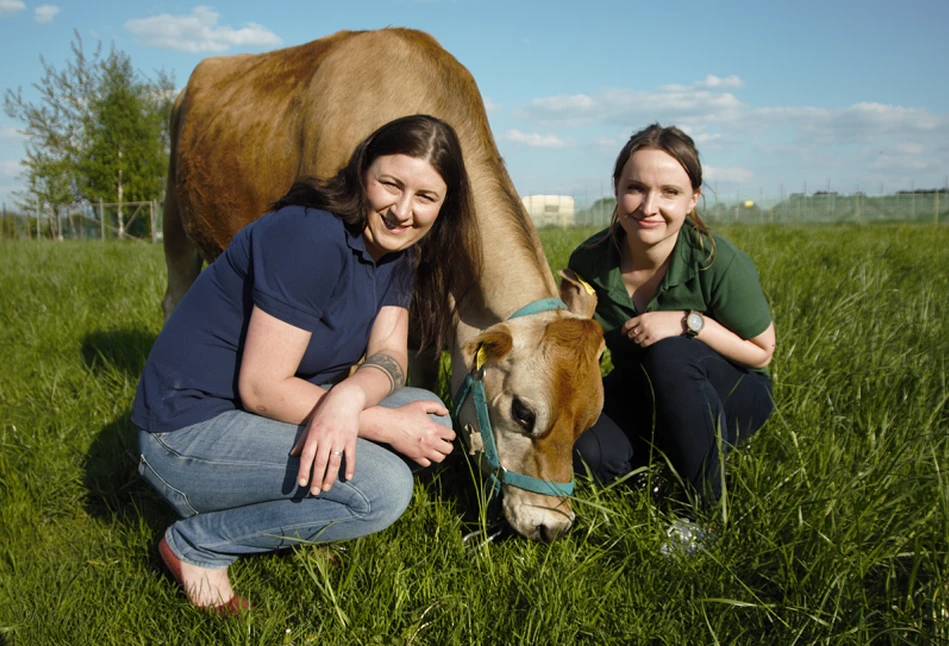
{"type": "Point", "coordinates": [727, 290]}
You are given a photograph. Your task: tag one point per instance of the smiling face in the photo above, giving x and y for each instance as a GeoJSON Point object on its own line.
{"type": "Point", "coordinates": [654, 195]}
{"type": "Point", "coordinates": [405, 195]}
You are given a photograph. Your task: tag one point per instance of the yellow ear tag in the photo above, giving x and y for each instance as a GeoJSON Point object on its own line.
{"type": "Point", "coordinates": [587, 286]}
{"type": "Point", "coordinates": [481, 357]}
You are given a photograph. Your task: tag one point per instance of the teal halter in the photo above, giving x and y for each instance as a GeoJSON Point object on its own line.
{"type": "Point", "coordinates": [483, 438]}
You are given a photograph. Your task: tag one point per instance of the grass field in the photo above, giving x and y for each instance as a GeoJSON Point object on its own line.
{"type": "Point", "coordinates": [837, 511]}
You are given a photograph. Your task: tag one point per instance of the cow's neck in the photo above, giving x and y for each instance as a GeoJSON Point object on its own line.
{"type": "Point", "coordinates": [515, 270]}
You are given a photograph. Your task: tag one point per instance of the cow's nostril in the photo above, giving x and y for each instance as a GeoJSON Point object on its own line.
{"type": "Point", "coordinates": [550, 534]}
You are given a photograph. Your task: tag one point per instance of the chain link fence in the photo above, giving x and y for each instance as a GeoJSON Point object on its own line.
{"type": "Point", "coordinates": [801, 208]}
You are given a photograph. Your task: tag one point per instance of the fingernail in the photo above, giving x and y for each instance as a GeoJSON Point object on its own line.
{"type": "Point", "coordinates": [327, 487]}
{"type": "Point", "coordinates": [302, 482]}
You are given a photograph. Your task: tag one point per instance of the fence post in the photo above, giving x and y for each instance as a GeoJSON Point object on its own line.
{"type": "Point", "coordinates": [101, 220]}
{"type": "Point", "coordinates": [936, 211]}
{"type": "Point", "coordinates": [151, 217]}
{"type": "Point", "coordinates": [912, 187]}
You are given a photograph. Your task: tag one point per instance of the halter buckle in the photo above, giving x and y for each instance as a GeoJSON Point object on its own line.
{"type": "Point", "coordinates": [475, 442]}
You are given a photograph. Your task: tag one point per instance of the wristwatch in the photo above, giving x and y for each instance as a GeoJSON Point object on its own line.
{"type": "Point", "coordinates": [694, 322]}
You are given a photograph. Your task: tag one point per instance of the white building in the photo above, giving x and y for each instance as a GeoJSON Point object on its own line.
{"type": "Point", "coordinates": [550, 210]}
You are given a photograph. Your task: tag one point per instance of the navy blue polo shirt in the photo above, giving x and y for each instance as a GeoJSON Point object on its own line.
{"type": "Point", "coordinates": [299, 265]}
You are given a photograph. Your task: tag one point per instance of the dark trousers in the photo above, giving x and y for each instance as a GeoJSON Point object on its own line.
{"type": "Point", "coordinates": [679, 400]}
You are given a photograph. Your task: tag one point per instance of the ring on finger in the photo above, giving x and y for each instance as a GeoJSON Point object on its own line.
{"type": "Point", "coordinates": [337, 452]}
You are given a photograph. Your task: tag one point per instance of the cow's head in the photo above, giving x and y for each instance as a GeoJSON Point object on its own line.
{"type": "Point", "coordinates": [543, 388]}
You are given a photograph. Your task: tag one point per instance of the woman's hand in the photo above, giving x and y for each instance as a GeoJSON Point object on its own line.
{"type": "Point", "coordinates": [411, 431]}
{"type": "Point", "coordinates": [330, 439]}
{"type": "Point", "coordinates": [647, 328]}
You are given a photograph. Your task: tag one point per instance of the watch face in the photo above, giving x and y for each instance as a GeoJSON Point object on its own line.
{"type": "Point", "coordinates": [695, 322]}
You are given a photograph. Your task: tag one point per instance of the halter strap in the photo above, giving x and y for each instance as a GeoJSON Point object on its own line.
{"type": "Point", "coordinates": [474, 386]}
{"type": "Point", "coordinates": [543, 305]}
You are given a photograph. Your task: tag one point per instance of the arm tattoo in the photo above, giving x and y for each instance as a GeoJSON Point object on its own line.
{"type": "Point", "coordinates": [389, 367]}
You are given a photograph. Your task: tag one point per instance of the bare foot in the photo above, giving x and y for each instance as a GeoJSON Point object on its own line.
{"type": "Point", "coordinates": [206, 587]}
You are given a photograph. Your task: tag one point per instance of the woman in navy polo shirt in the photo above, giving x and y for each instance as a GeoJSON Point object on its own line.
{"type": "Point", "coordinates": [239, 431]}
{"type": "Point", "coordinates": [688, 327]}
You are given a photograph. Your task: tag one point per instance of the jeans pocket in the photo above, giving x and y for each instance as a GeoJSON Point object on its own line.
{"type": "Point", "coordinates": [174, 497]}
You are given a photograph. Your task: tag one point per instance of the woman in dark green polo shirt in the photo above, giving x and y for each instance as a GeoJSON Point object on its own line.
{"type": "Point", "coordinates": [686, 322]}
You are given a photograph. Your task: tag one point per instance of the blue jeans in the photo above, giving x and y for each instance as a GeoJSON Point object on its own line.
{"type": "Point", "coordinates": [232, 481]}
{"type": "Point", "coordinates": [681, 400]}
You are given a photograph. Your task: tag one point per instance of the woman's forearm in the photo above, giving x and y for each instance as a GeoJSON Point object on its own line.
{"type": "Point", "coordinates": [293, 399]}
{"type": "Point", "coordinates": [751, 353]}
{"type": "Point", "coordinates": [289, 400]}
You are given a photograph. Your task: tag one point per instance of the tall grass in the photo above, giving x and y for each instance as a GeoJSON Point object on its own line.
{"type": "Point", "coordinates": [838, 510]}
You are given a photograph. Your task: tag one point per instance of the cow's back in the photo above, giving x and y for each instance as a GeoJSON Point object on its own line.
{"type": "Point", "coordinates": [247, 126]}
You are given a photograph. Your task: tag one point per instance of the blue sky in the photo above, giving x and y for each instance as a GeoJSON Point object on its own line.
{"type": "Point", "coordinates": [779, 96]}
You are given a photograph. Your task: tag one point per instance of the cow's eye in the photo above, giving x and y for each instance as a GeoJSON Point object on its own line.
{"type": "Point", "coordinates": [522, 415]}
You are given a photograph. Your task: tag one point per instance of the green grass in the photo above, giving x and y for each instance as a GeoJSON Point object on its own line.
{"type": "Point", "coordinates": [837, 511]}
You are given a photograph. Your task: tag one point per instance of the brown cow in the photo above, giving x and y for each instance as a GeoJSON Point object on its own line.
{"type": "Point", "coordinates": [247, 126]}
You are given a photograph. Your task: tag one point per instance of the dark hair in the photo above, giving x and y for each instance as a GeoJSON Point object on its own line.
{"type": "Point", "coordinates": [447, 259]}
{"type": "Point", "coordinates": [681, 147]}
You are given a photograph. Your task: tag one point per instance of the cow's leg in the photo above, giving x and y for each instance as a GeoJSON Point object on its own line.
{"type": "Point", "coordinates": [181, 255]}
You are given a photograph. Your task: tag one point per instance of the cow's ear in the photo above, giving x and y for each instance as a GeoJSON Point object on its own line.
{"type": "Point", "coordinates": [577, 293]}
{"type": "Point", "coordinates": [494, 343]}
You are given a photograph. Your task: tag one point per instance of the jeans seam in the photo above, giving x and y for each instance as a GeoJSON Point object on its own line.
{"type": "Point", "coordinates": [147, 466]}
{"type": "Point", "coordinates": [354, 515]}
{"type": "Point", "coordinates": [233, 463]}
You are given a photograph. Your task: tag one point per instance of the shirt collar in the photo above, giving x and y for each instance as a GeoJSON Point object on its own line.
{"type": "Point", "coordinates": [357, 243]}
{"type": "Point", "coordinates": [687, 258]}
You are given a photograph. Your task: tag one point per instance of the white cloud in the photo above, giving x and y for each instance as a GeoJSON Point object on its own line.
{"type": "Point", "coordinates": [533, 139]}
{"type": "Point", "coordinates": [706, 138]}
{"type": "Point", "coordinates": [731, 81]}
{"type": "Point", "coordinates": [9, 132]}
{"type": "Point", "coordinates": [199, 32]}
{"type": "Point", "coordinates": [753, 147]}
{"type": "Point", "coordinates": [10, 168]}
{"type": "Point", "coordinates": [907, 148]}
{"type": "Point", "coordinates": [613, 143]}
{"type": "Point", "coordinates": [722, 121]}
{"type": "Point", "coordinates": [711, 82]}
{"type": "Point", "coordinates": [910, 163]}
{"type": "Point", "coordinates": [736, 174]}
{"type": "Point", "coordinates": [623, 106]}
{"type": "Point", "coordinates": [10, 7]}
{"type": "Point", "coordinates": [45, 13]}
{"type": "Point", "coordinates": [858, 123]}
{"type": "Point", "coordinates": [904, 156]}
{"type": "Point", "coordinates": [491, 106]}
{"type": "Point", "coordinates": [574, 109]}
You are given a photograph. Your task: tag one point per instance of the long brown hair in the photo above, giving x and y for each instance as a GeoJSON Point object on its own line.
{"type": "Point", "coordinates": [448, 259]}
{"type": "Point", "coordinates": [681, 147]}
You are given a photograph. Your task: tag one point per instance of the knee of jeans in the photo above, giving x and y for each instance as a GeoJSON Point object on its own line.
{"type": "Point", "coordinates": [586, 454]}
{"type": "Point", "coordinates": [605, 466]}
{"type": "Point", "coordinates": [411, 394]}
{"type": "Point", "coordinates": [391, 501]}
{"type": "Point", "coordinates": [671, 359]}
